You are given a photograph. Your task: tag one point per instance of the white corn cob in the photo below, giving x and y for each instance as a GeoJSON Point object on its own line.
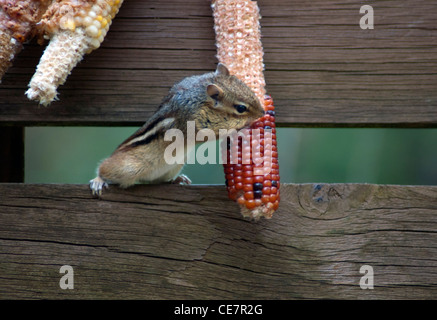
{"type": "Point", "coordinates": [75, 27]}
{"type": "Point", "coordinates": [238, 41]}
{"type": "Point", "coordinates": [68, 48]}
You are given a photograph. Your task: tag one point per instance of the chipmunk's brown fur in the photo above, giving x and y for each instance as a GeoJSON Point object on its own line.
{"type": "Point", "coordinates": [215, 101]}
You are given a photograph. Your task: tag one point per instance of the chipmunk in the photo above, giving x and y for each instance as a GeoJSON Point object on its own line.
{"type": "Point", "coordinates": [215, 100]}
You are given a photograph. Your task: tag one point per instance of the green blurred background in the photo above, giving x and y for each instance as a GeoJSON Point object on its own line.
{"type": "Point", "coordinates": [306, 155]}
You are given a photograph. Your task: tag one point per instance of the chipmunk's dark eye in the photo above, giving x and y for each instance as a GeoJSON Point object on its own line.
{"type": "Point", "coordinates": [240, 108]}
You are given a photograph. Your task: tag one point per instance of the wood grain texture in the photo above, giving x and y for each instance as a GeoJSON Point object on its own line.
{"type": "Point", "coordinates": [321, 68]}
{"type": "Point", "coordinates": [175, 242]}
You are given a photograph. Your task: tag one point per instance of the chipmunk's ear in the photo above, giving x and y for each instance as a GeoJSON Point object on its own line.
{"type": "Point", "coordinates": [222, 70]}
{"type": "Point", "coordinates": [214, 91]}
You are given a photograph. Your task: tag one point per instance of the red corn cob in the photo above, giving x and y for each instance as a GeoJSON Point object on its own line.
{"type": "Point", "coordinates": [254, 183]}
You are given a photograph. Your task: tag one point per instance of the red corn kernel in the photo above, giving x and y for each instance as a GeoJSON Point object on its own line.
{"type": "Point", "coordinates": [229, 169]}
{"type": "Point", "coordinates": [247, 173]}
{"type": "Point", "coordinates": [258, 178]}
{"type": "Point", "coordinates": [267, 190]}
{"type": "Point", "coordinates": [247, 187]}
{"type": "Point", "coordinates": [241, 200]}
{"type": "Point", "coordinates": [265, 198]}
{"type": "Point", "coordinates": [250, 204]}
{"type": "Point", "coordinates": [238, 173]}
{"type": "Point", "coordinates": [276, 205]}
{"type": "Point", "coordinates": [238, 166]}
{"type": "Point", "coordinates": [273, 197]}
{"type": "Point", "coordinates": [247, 180]}
{"type": "Point", "coordinates": [249, 195]}
{"type": "Point", "coordinates": [267, 183]}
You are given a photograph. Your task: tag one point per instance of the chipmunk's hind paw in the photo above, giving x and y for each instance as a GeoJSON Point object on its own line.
{"type": "Point", "coordinates": [181, 179]}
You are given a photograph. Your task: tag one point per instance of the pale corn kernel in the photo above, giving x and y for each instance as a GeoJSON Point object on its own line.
{"type": "Point", "coordinates": [71, 25]}
{"type": "Point", "coordinates": [95, 43]}
{"type": "Point", "coordinates": [97, 24]}
{"type": "Point", "coordinates": [92, 31]}
{"type": "Point", "coordinates": [87, 21]}
{"type": "Point", "coordinates": [78, 20]}
{"type": "Point", "coordinates": [95, 8]}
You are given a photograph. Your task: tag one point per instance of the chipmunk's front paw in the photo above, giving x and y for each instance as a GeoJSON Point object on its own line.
{"type": "Point", "coordinates": [96, 185]}
{"type": "Point", "coordinates": [181, 179]}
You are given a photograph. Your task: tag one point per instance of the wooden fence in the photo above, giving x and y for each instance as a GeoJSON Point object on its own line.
{"type": "Point", "coordinates": [190, 242]}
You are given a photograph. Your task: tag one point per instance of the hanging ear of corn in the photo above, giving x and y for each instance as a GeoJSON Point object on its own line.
{"type": "Point", "coordinates": [17, 25]}
{"type": "Point", "coordinates": [238, 41]}
{"type": "Point", "coordinates": [9, 47]}
{"type": "Point", "coordinates": [75, 28]}
{"type": "Point", "coordinates": [251, 169]}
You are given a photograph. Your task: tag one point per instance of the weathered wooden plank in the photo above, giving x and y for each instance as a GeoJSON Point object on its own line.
{"type": "Point", "coordinates": [176, 242]}
{"type": "Point", "coordinates": [322, 69]}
